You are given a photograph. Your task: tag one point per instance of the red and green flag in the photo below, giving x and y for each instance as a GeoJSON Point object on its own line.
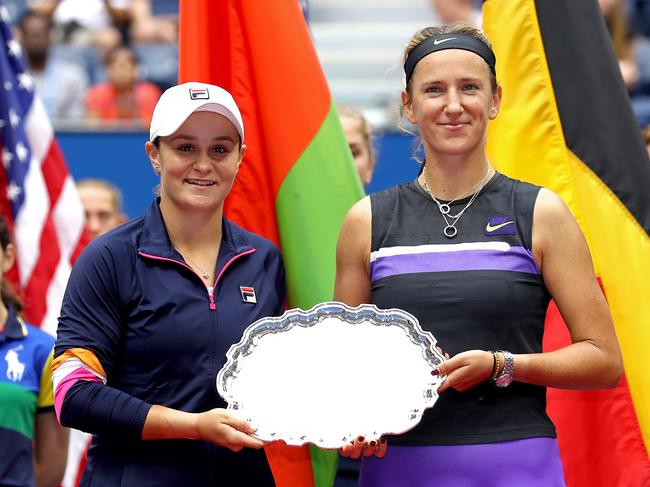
{"type": "Point", "coordinates": [297, 180]}
{"type": "Point", "coordinates": [566, 123]}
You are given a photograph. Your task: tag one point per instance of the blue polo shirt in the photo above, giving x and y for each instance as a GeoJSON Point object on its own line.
{"type": "Point", "coordinates": [160, 337]}
{"type": "Point", "coordinates": [25, 391]}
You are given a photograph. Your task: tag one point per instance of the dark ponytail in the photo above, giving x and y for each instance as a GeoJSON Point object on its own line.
{"type": "Point", "coordinates": [9, 297]}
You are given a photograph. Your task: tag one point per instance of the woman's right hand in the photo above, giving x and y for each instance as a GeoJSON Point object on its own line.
{"type": "Point", "coordinates": [217, 426]}
{"type": "Point", "coordinates": [223, 428]}
{"type": "Point", "coordinates": [465, 370]}
{"type": "Point", "coordinates": [360, 447]}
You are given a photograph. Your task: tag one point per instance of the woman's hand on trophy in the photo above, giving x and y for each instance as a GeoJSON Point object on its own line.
{"type": "Point", "coordinates": [222, 428]}
{"type": "Point", "coordinates": [465, 370]}
{"type": "Point", "coordinates": [360, 447]}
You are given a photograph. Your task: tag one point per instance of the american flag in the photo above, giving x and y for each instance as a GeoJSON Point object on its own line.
{"type": "Point", "coordinates": [40, 201]}
{"type": "Point", "coordinates": [37, 195]}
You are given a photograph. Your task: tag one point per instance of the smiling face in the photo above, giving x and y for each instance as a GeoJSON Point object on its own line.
{"type": "Point", "coordinates": [197, 163]}
{"type": "Point", "coordinates": [451, 101]}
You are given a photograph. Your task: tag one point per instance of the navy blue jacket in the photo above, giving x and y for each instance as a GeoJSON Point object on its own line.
{"type": "Point", "coordinates": [161, 338]}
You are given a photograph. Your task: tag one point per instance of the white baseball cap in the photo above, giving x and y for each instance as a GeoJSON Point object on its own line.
{"type": "Point", "coordinates": [180, 101]}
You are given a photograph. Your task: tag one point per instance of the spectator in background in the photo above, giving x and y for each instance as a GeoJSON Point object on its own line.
{"type": "Point", "coordinates": [639, 15]}
{"type": "Point", "coordinates": [60, 84]}
{"type": "Point", "coordinates": [149, 28]}
{"type": "Point", "coordinates": [633, 52]}
{"type": "Point", "coordinates": [154, 37]}
{"type": "Point", "coordinates": [358, 131]}
{"type": "Point", "coordinates": [123, 96]}
{"type": "Point", "coordinates": [617, 23]}
{"type": "Point", "coordinates": [457, 11]}
{"type": "Point", "coordinates": [33, 444]}
{"type": "Point", "coordinates": [102, 202]}
{"type": "Point", "coordinates": [100, 23]}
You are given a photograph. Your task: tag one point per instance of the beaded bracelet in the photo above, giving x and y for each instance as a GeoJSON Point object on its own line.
{"type": "Point", "coordinates": [494, 363]}
{"type": "Point", "coordinates": [496, 369]}
{"type": "Point", "coordinates": [501, 364]}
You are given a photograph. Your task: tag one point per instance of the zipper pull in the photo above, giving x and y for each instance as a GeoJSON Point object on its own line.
{"type": "Point", "coordinates": [213, 305]}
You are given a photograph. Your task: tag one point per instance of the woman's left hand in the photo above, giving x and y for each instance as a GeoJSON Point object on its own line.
{"type": "Point", "coordinates": [359, 447]}
{"type": "Point", "coordinates": [466, 370]}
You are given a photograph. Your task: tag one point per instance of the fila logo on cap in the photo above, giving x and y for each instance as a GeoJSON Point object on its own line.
{"type": "Point", "coordinates": [248, 294]}
{"type": "Point", "coordinates": [199, 94]}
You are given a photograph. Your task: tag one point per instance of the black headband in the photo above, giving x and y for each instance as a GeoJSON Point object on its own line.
{"type": "Point", "coordinates": [449, 41]}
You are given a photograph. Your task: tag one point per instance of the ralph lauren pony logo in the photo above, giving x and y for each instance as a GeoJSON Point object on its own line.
{"type": "Point", "coordinates": [15, 368]}
{"type": "Point", "coordinates": [501, 225]}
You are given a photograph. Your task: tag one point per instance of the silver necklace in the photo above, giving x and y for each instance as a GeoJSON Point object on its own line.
{"type": "Point", "coordinates": [206, 275]}
{"type": "Point", "coordinates": [445, 208]}
{"type": "Point", "coordinates": [450, 230]}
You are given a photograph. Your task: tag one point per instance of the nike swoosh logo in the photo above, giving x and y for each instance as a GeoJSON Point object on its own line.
{"type": "Point", "coordinates": [489, 228]}
{"type": "Point", "coordinates": [440, 41]}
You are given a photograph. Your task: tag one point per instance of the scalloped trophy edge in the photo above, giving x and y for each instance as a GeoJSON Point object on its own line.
{"type": "Point", "coordinates": [424, 339]}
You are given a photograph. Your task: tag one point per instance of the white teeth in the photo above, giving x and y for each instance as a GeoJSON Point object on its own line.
{"type": "Point", "coordinates": [200, 182]}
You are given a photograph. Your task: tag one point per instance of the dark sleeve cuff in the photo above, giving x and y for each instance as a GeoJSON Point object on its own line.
{"type": "Point", "coordinates": [99, 409]}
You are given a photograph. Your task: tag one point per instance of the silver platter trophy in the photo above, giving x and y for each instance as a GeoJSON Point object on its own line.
{"type": "Point", "coordinates": [331, 374]}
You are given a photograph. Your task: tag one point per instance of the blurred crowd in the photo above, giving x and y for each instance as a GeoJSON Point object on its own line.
{"type": "Point", "coordinates": [628, 22]}
{"type": "Point", "coordinates": [104, 63]}
{"type": "Point", "coordinates": [98, 63]}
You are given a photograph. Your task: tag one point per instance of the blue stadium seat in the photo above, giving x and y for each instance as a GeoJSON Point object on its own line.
{"type": "Point", "coordinates": [83, 56]}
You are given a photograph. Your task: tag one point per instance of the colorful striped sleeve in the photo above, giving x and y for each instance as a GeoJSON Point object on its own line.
{"type": "Point", "coordinates": [45, 400]}
{"type": "Point", "coordinates": [88, 337]}
{"type": "Point", "coordinates": [72, 366]}
{"type": "Point", "coordinates": [82, 400]}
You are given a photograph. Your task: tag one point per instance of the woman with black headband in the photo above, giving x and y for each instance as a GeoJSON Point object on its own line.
{"type": "Point", "coordinates": [476, 257]}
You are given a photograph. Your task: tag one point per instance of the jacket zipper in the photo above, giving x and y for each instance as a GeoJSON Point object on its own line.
{"type": "Point", "coordinates": [213, 305]}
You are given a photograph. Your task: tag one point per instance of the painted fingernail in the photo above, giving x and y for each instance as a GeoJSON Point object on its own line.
{"type": "Point", "coordinates": [435, 371]}
{"type": "Point", "coordinates": [360, 439]}
{"type": "Point", "coordinates": [382, 441]}
{"type": "Point", "coordinates": [373, 443]}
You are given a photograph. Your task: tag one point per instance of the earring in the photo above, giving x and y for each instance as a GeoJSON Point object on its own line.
{"type": "Point", "coordinates": [157, 169]}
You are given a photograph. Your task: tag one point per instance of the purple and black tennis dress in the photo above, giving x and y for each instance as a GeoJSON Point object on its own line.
{"type": "Point", "coordinates": [479, 290]}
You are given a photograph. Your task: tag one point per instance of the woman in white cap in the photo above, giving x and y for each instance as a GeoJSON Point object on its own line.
{"type": "Point", "coordinates": [475, 256]}
{"type": "Point", "coordinates": [152, 307]}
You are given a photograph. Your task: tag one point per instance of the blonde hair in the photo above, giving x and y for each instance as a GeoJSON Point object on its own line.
{"type": "Point", "coordinates": [427, 32]}
{"type": "Point", "coordinates": [116, 194]}
{"type": "Point", "coordinates": [366, 129]}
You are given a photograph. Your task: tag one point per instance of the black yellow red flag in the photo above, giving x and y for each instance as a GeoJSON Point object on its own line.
{"type": "Point", "coordinates": [566, 123]}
